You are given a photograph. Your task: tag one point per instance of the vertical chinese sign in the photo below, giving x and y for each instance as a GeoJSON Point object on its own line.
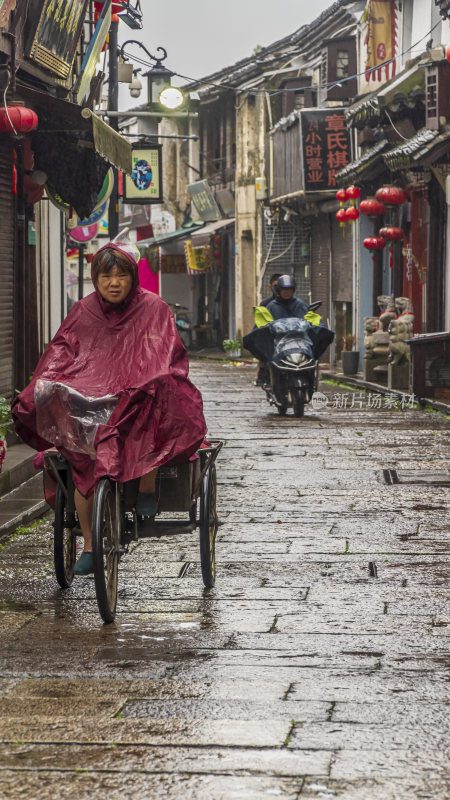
{"type": "Point", "coordinates": [55, 30]}
{"type": "Point", "coordinates": [325, 147]}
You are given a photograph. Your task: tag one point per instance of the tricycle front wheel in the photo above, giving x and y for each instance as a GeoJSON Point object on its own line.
{"type": "Point", "coordinates": [64, 542]}
{"type": "Point", "coordinates": [208, 527]}
{"type": "Point", "coordinates": [105, 549]}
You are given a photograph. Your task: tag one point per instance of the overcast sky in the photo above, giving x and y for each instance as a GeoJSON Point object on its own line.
{"type": "Point", "coordinates": [202, 36]}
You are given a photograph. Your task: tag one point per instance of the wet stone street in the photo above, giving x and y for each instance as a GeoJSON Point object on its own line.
{"type": "Point", "coordinates": [316, 668]}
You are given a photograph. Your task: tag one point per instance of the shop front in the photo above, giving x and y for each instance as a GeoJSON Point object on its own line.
{"type": "Point", "coordinates": [195, 269]}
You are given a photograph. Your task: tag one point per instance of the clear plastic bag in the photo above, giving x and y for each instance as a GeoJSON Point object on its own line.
{"type": "Point", "coordinates": [292, 335]}
{"type": "Point", "coordinates": [69, 419]}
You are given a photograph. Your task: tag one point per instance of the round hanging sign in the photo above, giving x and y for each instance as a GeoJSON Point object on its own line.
{"type": "Point", "coordinates": [84, 233]}
{"type": "Point", "coordinates": [103, 195]}
{"type": "Point", "coordinates": [95, 216]}
{"type": "Point", "coordinates": [107, 187]}
{"type": "Point", "coordinates": [56, 199]}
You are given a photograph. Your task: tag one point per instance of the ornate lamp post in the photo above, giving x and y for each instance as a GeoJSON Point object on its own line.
{"type": "Point", "coordinates": [162, 96]}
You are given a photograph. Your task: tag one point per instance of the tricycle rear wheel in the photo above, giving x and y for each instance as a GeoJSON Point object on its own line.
{"type": "Point", "coordinates": [105, 549]}
{"type": "Point", "coordinates": [64, 542]}
{"type": "Point", "coordinates": [208, 527]}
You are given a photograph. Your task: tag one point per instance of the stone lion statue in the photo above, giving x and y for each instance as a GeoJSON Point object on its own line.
{"type": "Point", "coordinates": [404, 308]}
{"type": "Point", "coordinates": [370, 326]}
{"type": "Point", "coordinates": [399, 330]}
{"type": "Point", "coordinates": [386, 304]}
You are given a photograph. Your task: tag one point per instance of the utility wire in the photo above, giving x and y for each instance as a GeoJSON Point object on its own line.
{"type": "Point", "coordinates": [293, 55]}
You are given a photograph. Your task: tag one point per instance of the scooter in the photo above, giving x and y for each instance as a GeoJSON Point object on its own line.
{"type": "Point", "coordinates": [293, 371]}
{"type": "Point", "coordinates": [184, 326]}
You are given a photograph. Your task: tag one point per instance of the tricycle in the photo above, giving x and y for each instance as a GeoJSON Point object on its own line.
{"type": "Point", "coordinates": [188, 487]}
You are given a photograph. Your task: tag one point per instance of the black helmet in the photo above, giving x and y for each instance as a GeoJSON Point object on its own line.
{"type": "Point", "coordinates": [286, 282]}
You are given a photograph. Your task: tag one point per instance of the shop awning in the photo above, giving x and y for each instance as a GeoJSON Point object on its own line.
{"type": "Point", "coordinates": [74, 148]}
{"type": "Point", "coordinates": [201, 238]}
{"type": "Point", "coordinates": [364, 168]}
{"type": "Point", "coordinates": [168, 238]}
{"type": "Point", "coordinates": [421, 150]}
{"type": "Point", "coordinates": [403, 84]}
{"type": "Point", "coordinates": [72, 119]}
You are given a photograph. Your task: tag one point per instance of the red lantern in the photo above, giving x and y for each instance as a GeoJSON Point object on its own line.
{"type": "Point", "coordinates": [341, 217]}
{"type": "Point", "coordinates": [18, 119]}
{"type": "Point", "coordinates": [116, 8]}
{"type": "Point", "coordinates": [341, 195]}
{"type": "Point", "coordinates": [374, 243]}
{"type": "Point", "coordinates": [392, 234]}
{"type": "Point", "coordinates": [353, 194]}
{"type": "Point", "coordinates": [217, 240]}
{"type": "Point", "coordinates": [371, 207]}
{"type": "Point", "coordinates": [352, 213]}
{"type": "Point", "coordinates": [391, 196]}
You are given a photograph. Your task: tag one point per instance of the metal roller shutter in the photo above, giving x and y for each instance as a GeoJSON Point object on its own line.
{"type": "Point", "coordinates": [341, 289]}
{"type": "Point", "coordinates": [320, 263]}
{"type": "Point", "coordinates": [6, 270]}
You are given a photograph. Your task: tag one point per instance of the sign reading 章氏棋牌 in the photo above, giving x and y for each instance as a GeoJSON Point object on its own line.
{"type": "Point", "coordinates": [144, 185]}
{"type": "Point", "coordinates": [55, 27]}
{"type": "Point", "coordinates": [325, 147]}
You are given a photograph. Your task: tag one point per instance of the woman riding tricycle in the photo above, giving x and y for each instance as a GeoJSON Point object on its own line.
{"type": "Point", "coordinates": [112, 403]}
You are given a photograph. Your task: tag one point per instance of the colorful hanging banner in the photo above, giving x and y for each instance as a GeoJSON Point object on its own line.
{"type": "Point", "coordinates": [381, 40]}
{"type": "Point", "coordinates": [6, 6]}
{"type": "Point", "coordinates": [144, 185]}
{"type": "Point", "coordinates": [198, 259]}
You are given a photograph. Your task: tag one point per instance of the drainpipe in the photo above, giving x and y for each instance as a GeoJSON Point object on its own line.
{"type": "Point", "coordinates": [447, 259]}
{"type": "Point", "coordinates": [330, 290]}
{"type": "Point", "coordinates": [113, 99]}
{"type": "Point", "coordinates": [355, 286]}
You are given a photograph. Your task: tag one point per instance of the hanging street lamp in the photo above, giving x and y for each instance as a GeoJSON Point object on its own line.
{"type": "Point", "coordinates": [162, 96]}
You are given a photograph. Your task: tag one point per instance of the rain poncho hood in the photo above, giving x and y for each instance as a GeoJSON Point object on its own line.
{"type": "Point", "coordinates": [111, 390]}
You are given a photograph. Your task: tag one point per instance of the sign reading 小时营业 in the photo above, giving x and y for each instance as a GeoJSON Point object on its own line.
{"type": "Point", "coordinates": [325, 147]}
{"type": "Point", "coordinates": [144, 185]}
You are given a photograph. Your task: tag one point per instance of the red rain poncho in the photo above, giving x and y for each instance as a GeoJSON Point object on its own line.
{"type": "Point", "coordinates": [112, 392]}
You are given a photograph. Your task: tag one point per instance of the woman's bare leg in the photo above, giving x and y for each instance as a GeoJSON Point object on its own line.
{"type": "Point", "coordinates": [147, 483]}
{"type": "Point", "coordinates": [84, 507]}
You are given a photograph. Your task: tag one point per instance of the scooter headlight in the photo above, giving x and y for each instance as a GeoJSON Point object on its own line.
{"type": "Point", "coordinates": [296, 358]}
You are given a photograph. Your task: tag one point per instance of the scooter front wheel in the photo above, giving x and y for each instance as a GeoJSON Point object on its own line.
{"type": "Point", "coordinates": [298, 402]}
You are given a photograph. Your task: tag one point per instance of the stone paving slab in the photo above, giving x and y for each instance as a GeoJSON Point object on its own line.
{"type": "Point", "coordinates": [146, 759]}
{"type": "Point", "coordinates": [179, 732]}
{"type": "Point", "coordinates": [117, 786]}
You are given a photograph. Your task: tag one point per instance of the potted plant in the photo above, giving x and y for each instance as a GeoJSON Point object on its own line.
{"type": "Point", "coordinates": [232, 347]}
{"type": "Point", "coordinates": [5, 426]}
{"type": "Point", "coordinates": [350, 357]}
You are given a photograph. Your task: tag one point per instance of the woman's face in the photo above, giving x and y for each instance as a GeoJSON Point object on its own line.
{"type": "Point", "coordinates": [115, 285]}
